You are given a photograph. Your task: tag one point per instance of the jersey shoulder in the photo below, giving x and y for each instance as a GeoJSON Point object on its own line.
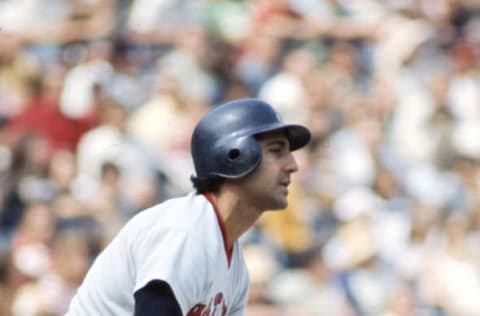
{"type": "Point", "coordinates": [190, 219]}
{"type": "Point", "coordinates": [179, 213]}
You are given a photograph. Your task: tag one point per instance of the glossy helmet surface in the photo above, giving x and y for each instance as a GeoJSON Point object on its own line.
{"type": "Point", "coordinates": [223, 142]}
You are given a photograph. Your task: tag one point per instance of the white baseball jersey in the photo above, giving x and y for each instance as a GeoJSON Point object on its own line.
{"type": "Point", "coordinates": [180, 241]}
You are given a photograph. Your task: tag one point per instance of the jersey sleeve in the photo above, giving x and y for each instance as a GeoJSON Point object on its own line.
{"type": "Point", "coordinates": [170, 255]}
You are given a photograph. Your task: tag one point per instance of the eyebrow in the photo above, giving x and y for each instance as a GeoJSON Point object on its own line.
{"type": "Point", "coordinates": [281, 142]}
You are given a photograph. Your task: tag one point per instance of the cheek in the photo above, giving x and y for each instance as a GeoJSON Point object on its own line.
{"type": "Point", "coordinates": [256, 180]}
{"type": "Point", "coordinates": [266, 179]}
{"type": "Point", "coordinates": [262, 172]}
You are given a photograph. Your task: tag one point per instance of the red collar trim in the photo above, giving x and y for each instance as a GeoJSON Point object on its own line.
{"type": "Point", "coordinates": [223, 229]}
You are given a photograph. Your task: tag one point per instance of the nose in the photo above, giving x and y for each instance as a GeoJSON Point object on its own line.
{"type": "Point", "coordinates": [291, 165]}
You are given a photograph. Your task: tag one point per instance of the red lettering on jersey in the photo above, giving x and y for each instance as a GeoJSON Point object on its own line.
{"type": "Point", "coordinates": [219, 307]}
{"type": "Point", "coordinates": [207, 311]}
{"type": "Point", "coordinates": [218, 300]}
{"type": "Point", "coordinates": [224, 309]}
{"type": "Point", "coordinates": [196, 310]}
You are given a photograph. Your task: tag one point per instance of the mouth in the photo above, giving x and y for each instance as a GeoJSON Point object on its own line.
{"type": "Point", "coordinates": [284, 185]}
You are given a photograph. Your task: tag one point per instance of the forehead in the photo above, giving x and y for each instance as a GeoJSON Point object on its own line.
{"type": "Point", "coordinates": [275, 136]}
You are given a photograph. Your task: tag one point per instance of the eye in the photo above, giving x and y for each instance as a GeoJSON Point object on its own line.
{"type": "Point", "coordinates": [275, 149]}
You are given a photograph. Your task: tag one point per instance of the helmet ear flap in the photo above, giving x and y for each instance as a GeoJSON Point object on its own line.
{"type": "Point", "coordinates": [236, 156]}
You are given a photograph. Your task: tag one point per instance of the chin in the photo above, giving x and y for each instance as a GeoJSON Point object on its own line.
{"type": "Point", "coordinates": [278, 205]}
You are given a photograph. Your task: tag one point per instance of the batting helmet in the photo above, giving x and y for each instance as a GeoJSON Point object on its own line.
{"type": "Point", "coordinates": [223, 143]}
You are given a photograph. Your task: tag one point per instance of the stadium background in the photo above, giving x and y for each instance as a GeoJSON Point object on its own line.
{"type": "Point", "coordinates": [97, 103]}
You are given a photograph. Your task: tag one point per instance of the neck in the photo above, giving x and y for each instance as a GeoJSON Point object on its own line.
{"type": "Point", "coordinates": [237, 214]}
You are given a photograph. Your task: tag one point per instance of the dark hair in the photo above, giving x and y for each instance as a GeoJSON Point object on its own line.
{"type": "Point", "coordinates": [207, 184]}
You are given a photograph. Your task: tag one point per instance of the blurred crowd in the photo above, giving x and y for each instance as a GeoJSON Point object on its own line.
{"type": "Point", "coordinates": [98, 99]}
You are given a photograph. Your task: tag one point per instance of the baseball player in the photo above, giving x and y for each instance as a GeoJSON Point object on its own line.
{"type": "Point", "coordinates": [182, 257]}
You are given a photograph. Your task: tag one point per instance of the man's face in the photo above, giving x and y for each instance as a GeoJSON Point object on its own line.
{"type": "Point", "coordinates": [267, 185]}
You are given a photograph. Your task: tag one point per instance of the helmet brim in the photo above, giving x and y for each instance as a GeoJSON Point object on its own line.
{"type": "Point", "coordinates": [298, 136]}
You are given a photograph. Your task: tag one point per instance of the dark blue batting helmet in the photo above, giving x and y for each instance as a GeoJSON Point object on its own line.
{"type": "Point", "coordinates": [223, 143]}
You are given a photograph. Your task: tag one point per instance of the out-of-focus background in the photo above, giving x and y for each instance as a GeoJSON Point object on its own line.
{"type": "Point", "coordinates": [97, 103]}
